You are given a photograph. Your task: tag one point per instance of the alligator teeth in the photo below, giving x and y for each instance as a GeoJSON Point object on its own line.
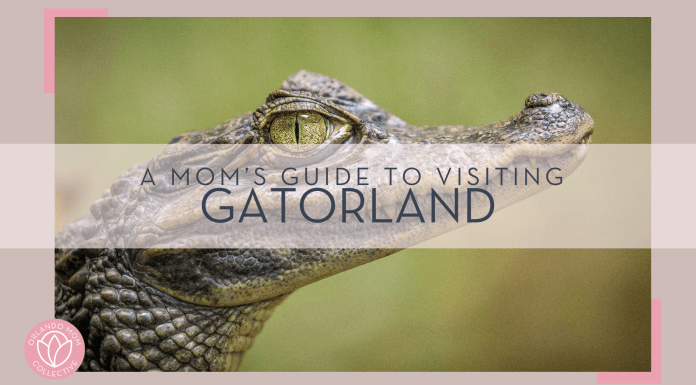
{"type": "Point", "coordinates": [462, 195]}
{"type": "Point", "coordinates": [494, 180]}
{"type": "Point", "coordinates": [554, 161]}
{"type": "Point", "coordinates": [384, 214]}
{"type": "Point", "coordinates": [532, 161]}
{"type": "Point", "coordinates": [425, 200]}
{"type": "Point", "coordinates": [449, 199]}
{"type": "Point", "coordinates": [390, 210]}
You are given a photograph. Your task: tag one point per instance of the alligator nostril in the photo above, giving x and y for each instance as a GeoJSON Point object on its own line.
{"type": "Point", "coordinates": [543, 99]}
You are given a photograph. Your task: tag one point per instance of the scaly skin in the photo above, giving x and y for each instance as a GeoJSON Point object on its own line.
{"type": "Point", "coordinates": [192, 309]}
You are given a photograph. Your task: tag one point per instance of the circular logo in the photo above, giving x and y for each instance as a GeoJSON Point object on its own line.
{"type": "Point", "coordinates": [54, 349]}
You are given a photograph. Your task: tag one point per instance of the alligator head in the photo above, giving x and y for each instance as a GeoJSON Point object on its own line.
{"type": "Point", "coordinates": [155, 285]}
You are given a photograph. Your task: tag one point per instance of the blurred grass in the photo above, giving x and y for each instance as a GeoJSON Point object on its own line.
{"type": "Point", "coordinates": [143, 80]}
{"type": "Point", "coordinates": [468, 310]}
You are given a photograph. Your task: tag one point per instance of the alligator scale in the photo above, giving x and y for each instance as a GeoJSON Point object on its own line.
{"type": "Point", "coordinates": [134, 278]}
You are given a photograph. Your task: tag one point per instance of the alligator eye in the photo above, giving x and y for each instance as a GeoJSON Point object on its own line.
{"type": "Point", "coordinates": [299, 131]}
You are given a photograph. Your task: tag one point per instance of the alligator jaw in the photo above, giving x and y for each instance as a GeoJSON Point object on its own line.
{"type": "Point", "coordinates": [304, 253]}
{"type": "Point", "coordinates": [136, 262]}
{"type": "Point", "coordinates": [191, 258]}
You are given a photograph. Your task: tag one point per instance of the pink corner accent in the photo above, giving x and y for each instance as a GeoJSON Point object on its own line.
{"type": "Point", "coordinates": [654, 377]}
{"type": "Point", "coordinates": [50, 39]}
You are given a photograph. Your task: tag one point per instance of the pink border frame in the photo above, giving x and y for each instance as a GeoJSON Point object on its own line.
{"type": "Point", "coordinates": [652, 377]}
{"type": "Point", "coordinates": [50, 15]}
{"type": "Point", "coordinates": [655, 376]}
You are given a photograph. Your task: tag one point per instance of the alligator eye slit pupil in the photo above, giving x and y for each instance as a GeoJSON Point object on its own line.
{"type": "Point", "coordinates": [297, 131]}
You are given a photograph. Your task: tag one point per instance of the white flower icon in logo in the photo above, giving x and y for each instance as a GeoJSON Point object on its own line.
{"type": "Point", "coordinates": [54, 348]}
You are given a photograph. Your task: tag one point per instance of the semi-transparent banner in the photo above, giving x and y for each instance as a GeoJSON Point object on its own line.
{"type": "Point", "coordinates": [353, 196]}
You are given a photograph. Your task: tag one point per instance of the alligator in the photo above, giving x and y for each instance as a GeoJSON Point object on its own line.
{"type": "Point", "coordinates": [181, 308]}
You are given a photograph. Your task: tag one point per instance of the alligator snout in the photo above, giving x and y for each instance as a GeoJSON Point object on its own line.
{"type": "Point", "coordinates": [545, 99]}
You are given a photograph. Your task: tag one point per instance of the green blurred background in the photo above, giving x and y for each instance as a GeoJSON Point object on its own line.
{"type": "Point", "coordinates": [146, 80]}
